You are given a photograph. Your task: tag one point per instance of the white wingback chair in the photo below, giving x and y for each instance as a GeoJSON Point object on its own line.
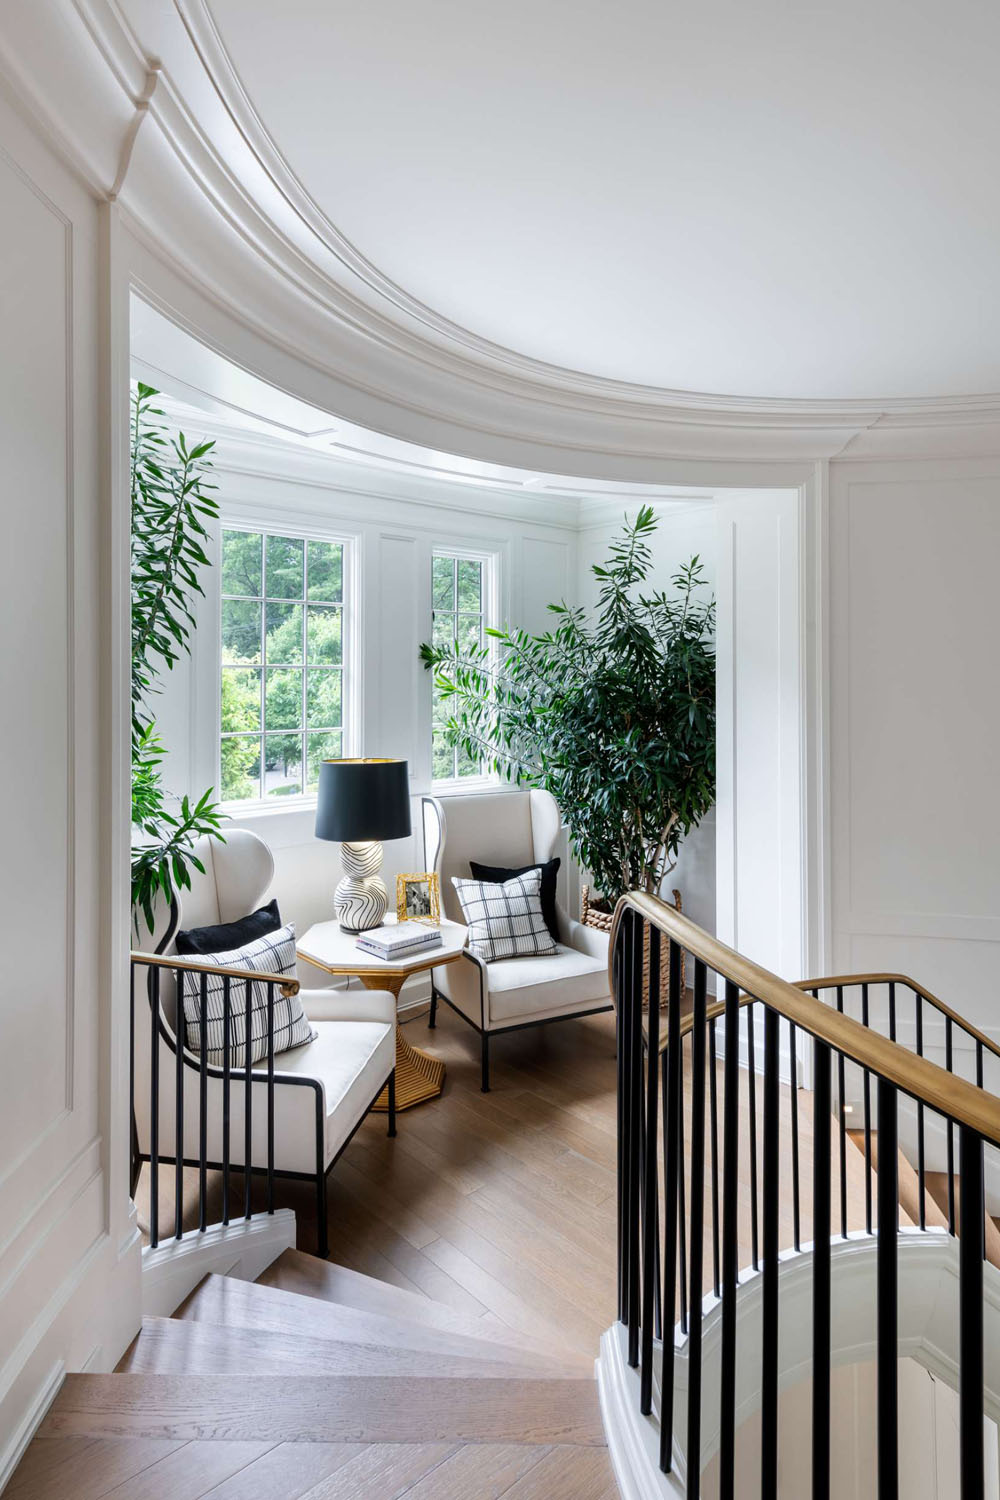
{"type": "Point", "coordinates": [509, 828]}
{"type": "Point", "coordinates": [322, 1090]}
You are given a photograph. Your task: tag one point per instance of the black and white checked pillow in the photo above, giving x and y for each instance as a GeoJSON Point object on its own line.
{"type": "Point", "coordinates": [272, 954]}
{"type": "Point", "coordinates": [505, 921]}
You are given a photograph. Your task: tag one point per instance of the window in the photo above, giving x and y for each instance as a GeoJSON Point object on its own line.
{"type": "Point", "coordinates": [459, 596]}
{"type": "Point", "coordinates": [282, 695]}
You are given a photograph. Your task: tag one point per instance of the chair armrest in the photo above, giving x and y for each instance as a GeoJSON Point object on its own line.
{"type": "Point", "coordinates": [349, 1005]}
{"type": "Point", "coordinates": [589, 940]}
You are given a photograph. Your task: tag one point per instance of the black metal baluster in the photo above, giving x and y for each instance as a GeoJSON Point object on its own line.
{"type": "Point", "coordinates": [628, 1146]}
{"type": "Point", "coordinates": [949, 1064]}
{"type": "Point", "coordinates": [892, 1010]}
{"type": "Point", "coordinates": [203, 1109]}
{"type": "Point", "coordinates": [752, 1086]}
{"type": "Point", "coordinates": [682, 1218]}
{"type": "Point", "coordinates": [821, 1274]}
{"type": "Point", "coordinates": [179, 1066]}
{"type": "Point", "coordinates": [673, 1167]}
{"type": "Point", "coordinates": [887, 1422]}
{"type": "Point", "coordinates": [635, 1132]}
{"type": "Point", "coordinates": [794, 1066]}
{"type": "Point", "coordinates": [979, 1084]}
{"type": "Point", "coordinates": [226, 1084]}
{"type": "Point", "coordinates": [920, 1119]}
{"type": "Point", "coordinates": [865, 1021]}
{"type": "Point", "coordinates": [247, 1099]}
{"type": "Point", "coordinates": [697, 1232]}
{"type": "Point", "coordinates": [154, 1113]}
{"type": "Point", "coordinates": [651, 1216]}
{"type": "Point", "coordinates": [970, 1359]}
{"type": "Point", "coordinates": [713, 1109]}
{"type": "Point", "coordinates": [134, 1164]}
{"type": "Point", "coordinates": [270, 1096]}
{"type": "Point", "coordinates": [769, 1352]}
{"type": "Point", "coordinates": [842, 1118]}
{"type": "Point", "coordinates": [730, 1244]}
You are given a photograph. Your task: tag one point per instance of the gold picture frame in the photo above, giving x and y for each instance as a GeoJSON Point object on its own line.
{"type": "Point", "coordinates": [410, 906]}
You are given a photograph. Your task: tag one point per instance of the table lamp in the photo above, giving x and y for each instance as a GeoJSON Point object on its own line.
{"type": "Point", "coordinates": [361, 803]}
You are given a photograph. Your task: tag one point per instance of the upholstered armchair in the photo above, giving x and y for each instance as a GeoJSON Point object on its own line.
{"type": "Point", "coordinates": [512, 829]}
{"type": "Point", "coordinates": [322, 1090]}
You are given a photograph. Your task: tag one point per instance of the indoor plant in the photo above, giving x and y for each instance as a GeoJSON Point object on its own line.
{"type": "Point", "coordinates": [614, 714]}
{"type": "Point", "coordinates": [171, 501]}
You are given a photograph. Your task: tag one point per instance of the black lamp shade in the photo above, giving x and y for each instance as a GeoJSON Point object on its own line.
{"type": "Point", "coordinates": [363, 800]}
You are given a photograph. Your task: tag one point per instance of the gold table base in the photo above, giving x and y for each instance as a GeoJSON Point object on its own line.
{"type": "Point", "coordinates": [418, 1075]}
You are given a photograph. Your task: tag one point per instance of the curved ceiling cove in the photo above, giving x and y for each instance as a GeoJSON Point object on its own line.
{"type": "Point", "coordinates": [763, 201]}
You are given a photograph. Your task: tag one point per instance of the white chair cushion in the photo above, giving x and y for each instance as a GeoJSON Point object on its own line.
{"type": "Point", "coordinates": [351, 1059]}
{"type": "Point", "coordinates": [523, 988]}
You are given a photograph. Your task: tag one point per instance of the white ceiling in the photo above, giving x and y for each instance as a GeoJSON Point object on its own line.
{"type": "Point", "coordinates": [748, 199]}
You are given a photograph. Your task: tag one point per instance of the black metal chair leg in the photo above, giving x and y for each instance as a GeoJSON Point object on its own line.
{"type": "Point", "coordinates": [322, 1233]}
{"type": "Point", "coordinates": [486, 1062]}
{"type": "Point", "coordinates": [392, 1103]}
{"type": "Point", "coordinates": [432, 1018]}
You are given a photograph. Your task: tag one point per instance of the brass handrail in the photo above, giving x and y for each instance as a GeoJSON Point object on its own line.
{"type": "Point", "coordinates": [950, 1095]}
{"type": "Point", "coordinates": [289, 987]}
{"type": "Point", "coordinates": [918, 989]}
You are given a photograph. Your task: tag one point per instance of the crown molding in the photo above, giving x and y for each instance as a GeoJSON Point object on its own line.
{"type": "Point", "coordinates": [232, 245]}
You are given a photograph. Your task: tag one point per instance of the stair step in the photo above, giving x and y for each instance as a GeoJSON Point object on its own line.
{"type": "Point", "coordinates": [227, 1302]}
{"type": "Point", "coordinates": [57, 1468]}
{"type": "Point", "coordinates": [328, 1408]}
{"type": "Point", "coordinates": [307, 1275]}
{"type": "Point", "coordinates": [937, 1187]}
{"type": "Point", "coordinates": [169, 1346]}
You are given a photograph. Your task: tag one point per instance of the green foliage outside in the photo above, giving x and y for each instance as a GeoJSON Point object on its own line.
{"type": "Point", "coordinates": [171, 501]}
{"type": "Point", "coordinates": [289, 615]}
{"type": "Point", "coordinates": [615, 717]}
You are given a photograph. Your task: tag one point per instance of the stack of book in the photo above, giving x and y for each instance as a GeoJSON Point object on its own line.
{"type": "Point", "coordinates": [401, 941]}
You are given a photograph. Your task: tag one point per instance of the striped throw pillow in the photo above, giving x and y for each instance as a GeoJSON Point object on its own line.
{"type": "Point", "coordinates": [505, 921]}
{"type": "Point", "coordinates": [272, 954]}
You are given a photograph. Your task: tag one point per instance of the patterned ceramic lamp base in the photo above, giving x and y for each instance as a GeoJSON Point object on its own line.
{"type": "Point", "coordinates": [361, 898]}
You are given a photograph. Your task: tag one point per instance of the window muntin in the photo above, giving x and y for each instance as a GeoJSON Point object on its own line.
{"type": "Point", "coordinates": [282, 663]}
{"type": "Point", "coordinates": [459, 602]}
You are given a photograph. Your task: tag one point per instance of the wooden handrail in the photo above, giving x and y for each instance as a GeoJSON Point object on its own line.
{"type": "Point", "coordinates": [918, 989]}
{"type": "Point", "coordinates": [950, 1095]}
{"type": "Point", "coordinates": [289, 987]}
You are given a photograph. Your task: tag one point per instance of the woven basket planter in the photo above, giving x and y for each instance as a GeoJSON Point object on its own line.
{"type": "Point", "coordinates": [590, 916]}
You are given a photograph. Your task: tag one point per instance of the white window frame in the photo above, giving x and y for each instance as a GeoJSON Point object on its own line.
{"type": "Point", "coordinates": [490, 559]}
{"type": "Point", "coordinates": [238, 519]}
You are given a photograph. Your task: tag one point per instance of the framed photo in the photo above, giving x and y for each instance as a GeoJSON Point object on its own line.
{"type": "Point", "coordinates": [418, 897]}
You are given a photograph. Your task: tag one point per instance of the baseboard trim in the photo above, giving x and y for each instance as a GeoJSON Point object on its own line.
{"type": "Point", "coordinates": [243, 1250]}
{"type": "Point", "coordinates": [633, 1440]}
{"type": "Point", "coordinates": [16, 1445]}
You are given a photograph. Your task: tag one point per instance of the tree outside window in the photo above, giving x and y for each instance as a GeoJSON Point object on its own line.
{"type": "Point", "coordinates": [282, 644]}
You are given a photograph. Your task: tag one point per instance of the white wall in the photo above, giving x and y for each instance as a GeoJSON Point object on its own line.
{"type": "Point", "coordinates": [683, 531]}
{"type": "Point", "coordinates": [69, 1262]}
{"type": "Point", "coordinates": [395, 526]}
{"type": "Point", "coordinates": [915, 724]}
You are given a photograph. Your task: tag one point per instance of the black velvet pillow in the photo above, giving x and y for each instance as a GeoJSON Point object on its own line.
{"type": "Point", "coordinates": [229, 935]}
{"type": "Point", "coordinates": [496, 875]}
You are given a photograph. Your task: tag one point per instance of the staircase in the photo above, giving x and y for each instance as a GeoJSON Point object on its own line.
{"type": "Point", "coordinates": [321, 1383]}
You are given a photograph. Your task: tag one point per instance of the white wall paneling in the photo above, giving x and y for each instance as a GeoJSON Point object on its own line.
{"type": "Point", "coordinates": [760, 715]}
{"type": "Point", "coordinates": [915, 720]}
{"type": "Point", "coordinates": [67, 1245]}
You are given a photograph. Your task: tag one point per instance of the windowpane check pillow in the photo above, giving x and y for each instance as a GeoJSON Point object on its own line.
{"type": "Point", "coordinates": [272, 954]}
{"type": "Point", "coordinates": [505, 921]}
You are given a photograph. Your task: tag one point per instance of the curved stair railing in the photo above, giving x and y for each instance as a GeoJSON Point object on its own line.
{"type": "Point", "coordinates": [700, 1209]}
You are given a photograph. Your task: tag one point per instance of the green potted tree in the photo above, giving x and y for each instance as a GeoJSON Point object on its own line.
{"type": "Point", "coordinates": [171, 501]}
{"type": "Point", "coordinates": [614, 713]}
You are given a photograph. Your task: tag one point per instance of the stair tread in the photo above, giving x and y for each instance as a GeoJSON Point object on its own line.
{"type": "Point", "coordinates": [169, 1346]}
{"type": "Point", "coordinates": [329, 1408]}
{"type": "Point", "coordinates": [144, 1469]}
{"type": "Point", "coordinates": [227, 1302]}
{"type": "Point", "coordinates": [325, 1281]}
